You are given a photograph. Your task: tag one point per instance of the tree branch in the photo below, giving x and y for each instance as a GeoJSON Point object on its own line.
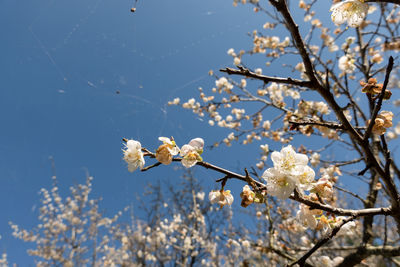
{"type": "Point", "coordinates": [258, 186]}
{"type": "Point", "coordinates": [397, 2]}
{"type": "Point", "coordinates": [339, 211]}
{"type": "Point", "coordinates": [320, 243]}
{"type": "Point", "coordinates": [330, 125]}
{"type": "Point", "coordinates": [380, 100]}
{"type": "Point", "coordinates": [247, 73]}
{"type": "Point", "coordinates": [364, 252]}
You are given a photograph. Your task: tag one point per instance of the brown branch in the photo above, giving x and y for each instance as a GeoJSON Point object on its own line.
{"type": "Point", "coordinates": [293, 28]}
{"type": "Point", "coordinates": [397, 2]}
{"type": "Point", "coordinates": [296, 196]}
{"type": "Point", "coordinates": [364, 252]}
{"type": "Point", "coordinates": [151, 166]}
{"type": "Point", "coordinates": [339, 211]}
{"type": "Point", "coordinates": [320, 243]}
{"type": "Point", "coordinates": [390, 251]}
{"type": "Point", "coordinates": [277, 251]}
{"type": "Point", "coordinates": [330, 125]}
{"type": "Point", "coordinates": [247, 73]}
{"type": "Point", "coordinates": [207, 165]}
{"type": "Point", "coordinates": [378, 105]}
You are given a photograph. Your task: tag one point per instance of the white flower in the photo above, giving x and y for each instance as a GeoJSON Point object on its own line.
{"type": "Point", "coordinates": [278, 184]}
{"type": "Point", "coordinates": [245, 243]}
{"type": "Point", "coordinates": [290, 169]}
{"type": "Point", "coordinates": [323, 187]}
{"type": "Point", "coordinates": [197, 143]}
{"type": "Point", "coordinates": [231, 52]}
{"type": "Point", "coordinates": [346, 64]}
{"type": "Point", "coordinates": [221, 197]}
{"type": "Point", "coordinates": [265, 149]}
{"type": "Point", "coordinates": [247, 196]}
{"type": "Point", "coordinates": [315, 159]}
{"type": "Point", "coordinates": [352, 11]}
{"type": "Point", "coordinates": [191, 152]}
{"type": "Point", "coordinates": [305, 177]}
{"type": "Point", "coordinates": [306, 216]}
{"type": "Point", "coordinates": [133, 155]}
{"type": "Point", "coordinates": [165, 152]}
{"type": "Point", "coordinates": [200, 195]}
{"type": "Point", "coordinates": [287, 159]}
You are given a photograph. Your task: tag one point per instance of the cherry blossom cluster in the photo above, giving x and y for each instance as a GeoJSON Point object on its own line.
{"type": "Point", "coordinates": [190, 153]}
{"type": "Point", "coordinates": [351, 11]}
{"type": "Point", "coordinates": [290, 171]}
{"type": "Point", "coordinates": [374, 88]}
{"type": "Point", "coordinates": [382, 122]}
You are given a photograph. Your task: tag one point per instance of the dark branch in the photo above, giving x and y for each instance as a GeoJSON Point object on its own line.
{"type": "Point", "coordinates": [320, 243]}
{"type": "Point", "coordinates": [380, 100]}
{"type": "Point", "coordinates": [249, 74]}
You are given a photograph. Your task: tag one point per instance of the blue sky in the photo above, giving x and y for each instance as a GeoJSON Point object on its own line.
{"type": "Point", "coordinates": [61, 66]}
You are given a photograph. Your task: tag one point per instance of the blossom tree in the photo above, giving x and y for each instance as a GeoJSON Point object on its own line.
{"type": "Point", "coordinates": [337, 98]}
{"type": "Point", "coordinates": [338, 94]}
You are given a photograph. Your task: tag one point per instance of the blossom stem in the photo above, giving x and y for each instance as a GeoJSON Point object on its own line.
{"type": "Point", "coordinates": [296, 196]}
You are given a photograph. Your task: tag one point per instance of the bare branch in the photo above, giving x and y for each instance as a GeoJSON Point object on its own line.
{"type": "Point", "coordinates": [397, 2]}
{"type": "Point", "coordinates": [328, 124]}
{"type": "Point", "coordinates": [339, 211]}
{"type": "Point", "coordinates": [247, 73]}
{"type": "Point", "coordinates": [364, 252]}
{"type": "Point", "coordinates": [320, 243]}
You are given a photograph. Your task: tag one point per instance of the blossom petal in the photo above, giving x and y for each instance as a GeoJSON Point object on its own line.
{"type": "Point", "coordinates": [197, 143]}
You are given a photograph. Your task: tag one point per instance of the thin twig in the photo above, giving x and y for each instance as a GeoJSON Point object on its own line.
{"type": "Point", "coordinates": [266, 79]}
{"type": "Point", "coordinates": [330, 125]}
{"type": "Point", "coordinates": [350, 193]}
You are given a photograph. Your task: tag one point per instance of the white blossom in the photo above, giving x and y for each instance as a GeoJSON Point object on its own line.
{"type": "Point", "coordinates": [290, 169]}
{"type": "Point", "coordinates": [221, 197]}
{"type": "Point", "coordinates": [231, 52]}
{"type": "Point", "coordinates": [133, 155]}
{"type": "Point", "coordinates": [306, 216]}
{"type": "Point", "coordinates": [351, 11]}
{"type": "Point", "coordinates": [278, 184]}
{"type": "Point", "coordinates": [315, 159]}
{"type": "Point", "coordinates": [191, 152]}
{"type": "Point", "coordinates": [200, 195]}
{"type": "Point", "coordinates": [346, 64]}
